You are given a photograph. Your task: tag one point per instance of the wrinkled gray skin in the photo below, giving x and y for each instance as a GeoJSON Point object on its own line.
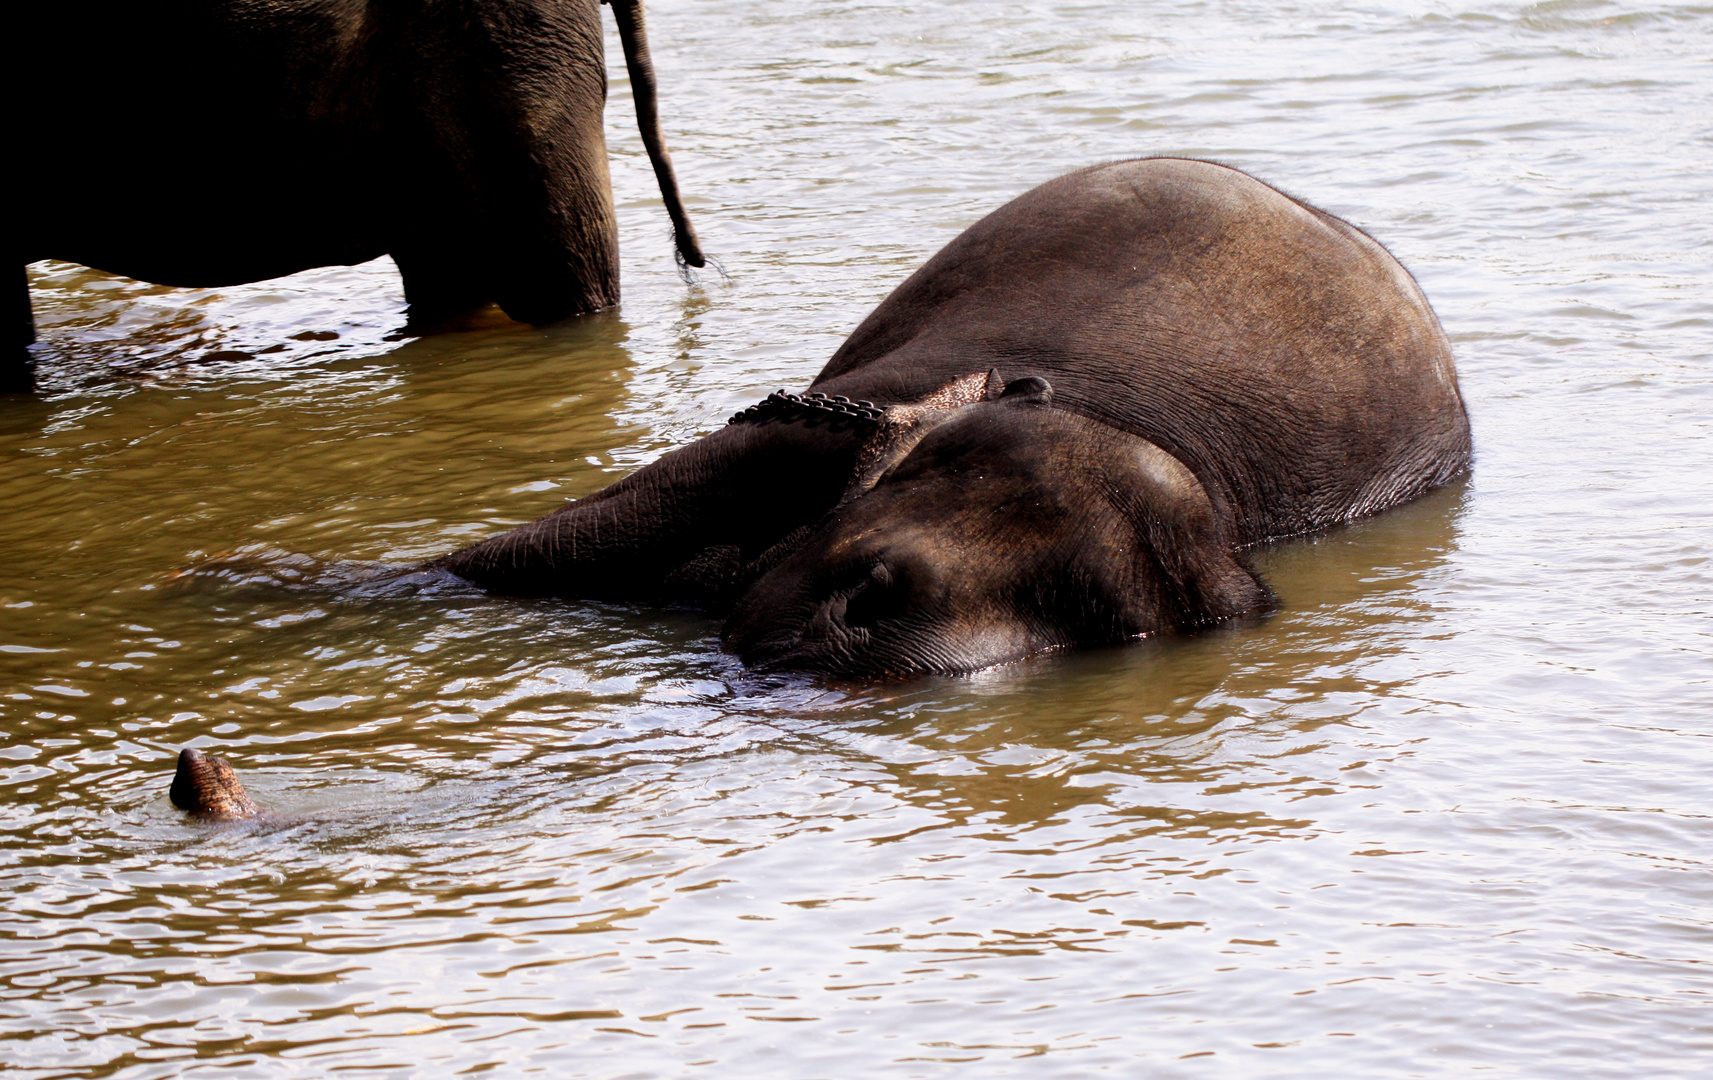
{"type": "Point", "coordinates": [206, 786]}
{"type": "Point", "coordinates": [215, 142]}
{"type": "Point", "coordinates": [1095, 398]}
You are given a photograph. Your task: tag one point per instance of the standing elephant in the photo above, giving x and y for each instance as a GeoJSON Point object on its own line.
{"type": "Point", "coordinates": [1193, 363]}
{"type": "Point", "coordinates": [215, 142]}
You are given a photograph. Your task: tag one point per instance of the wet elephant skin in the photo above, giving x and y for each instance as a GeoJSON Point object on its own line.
{"type": "Point", "coordinates": [1085, 408]}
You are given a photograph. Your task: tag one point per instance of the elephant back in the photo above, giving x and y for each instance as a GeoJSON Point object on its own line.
{"type": "Point", "coordinates": [1283, 355]}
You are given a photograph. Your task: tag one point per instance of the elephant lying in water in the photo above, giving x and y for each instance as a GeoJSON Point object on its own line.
{"type": "Point", "coordinates": [229, 141]}
{"type": "Point", "coordinates": [1193, 363]}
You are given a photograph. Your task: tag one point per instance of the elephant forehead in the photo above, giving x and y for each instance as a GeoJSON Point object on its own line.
{"type": "Point", "coordinates": [968, 529]}
{"type": "Point", "coordinates": [999, 440]}
{"type": "Point", "coordinates": [913, 528]}
{"type": "Point", "coordinates": [969, 501]}
{"type": "Point", "coordinates": [995, 451]}
{"type": "Point", "coordinates": [997, 494]}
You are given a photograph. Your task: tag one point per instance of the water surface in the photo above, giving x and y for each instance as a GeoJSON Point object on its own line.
{"type": "Point", "coordinates": [1446, 812]}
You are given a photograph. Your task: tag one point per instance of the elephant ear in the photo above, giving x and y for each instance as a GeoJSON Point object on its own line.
{"type": "Point", "coordinates": [903, 426]}
{"type": "Point", "coordinates": [1029, 392]}
{"type": "Point", "coordinates": [1182, 573]}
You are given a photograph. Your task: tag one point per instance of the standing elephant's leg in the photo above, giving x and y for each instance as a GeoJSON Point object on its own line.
{"type": "Point", "coordinates": [18, 376]}
{"type": "Point", "coordinates": [439, 283]}
{"type": "Point", "coordinates": [502, 177]}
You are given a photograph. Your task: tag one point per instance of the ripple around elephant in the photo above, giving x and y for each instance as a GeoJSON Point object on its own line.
{"type": "Point", "coordinates": [229, 141]}
{"type": "Point", "coordinates": [1193, 364]}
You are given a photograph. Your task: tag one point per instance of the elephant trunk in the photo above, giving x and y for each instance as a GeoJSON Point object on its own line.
{"type": "Point", "coordinates": [733, 494]}
{"type": "Point", "coordinates": [628, 15]}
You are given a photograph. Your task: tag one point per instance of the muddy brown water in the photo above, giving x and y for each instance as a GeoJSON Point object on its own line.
{"type": "Point", "coordinates": [1446, 812]}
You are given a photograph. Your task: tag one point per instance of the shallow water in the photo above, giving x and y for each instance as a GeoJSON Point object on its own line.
{"type": "Point", "coordinates": [1447, 811]}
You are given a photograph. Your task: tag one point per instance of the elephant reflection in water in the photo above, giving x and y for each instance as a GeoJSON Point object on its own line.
{"type": "Point", "coordinates": [208, 144]}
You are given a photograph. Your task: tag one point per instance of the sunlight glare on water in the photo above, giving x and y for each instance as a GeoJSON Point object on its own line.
{"type": "Point", "coordinates": [1447, 811]}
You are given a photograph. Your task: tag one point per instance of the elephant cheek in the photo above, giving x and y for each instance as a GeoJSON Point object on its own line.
{"type": "Point", "coordinates": [997, 640]}
{"type": "Point", "coordinates": [823, 645]}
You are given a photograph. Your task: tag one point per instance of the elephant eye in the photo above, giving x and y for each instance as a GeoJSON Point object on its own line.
{"type": "Point", "coordinates": [877, 598]}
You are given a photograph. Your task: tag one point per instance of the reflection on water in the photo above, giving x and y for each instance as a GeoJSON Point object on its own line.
{"type": "Point", "coordinates": [1444, 810]}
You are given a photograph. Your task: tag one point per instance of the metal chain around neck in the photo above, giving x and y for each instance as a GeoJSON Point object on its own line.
{"type": "Point", "coordinates": [838, 412]}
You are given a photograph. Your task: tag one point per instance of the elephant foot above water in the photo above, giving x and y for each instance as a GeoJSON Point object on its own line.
{"type": "Point", "coordinates": [207, 787]}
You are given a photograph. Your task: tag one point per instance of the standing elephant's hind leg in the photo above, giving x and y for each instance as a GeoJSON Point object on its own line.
{"type": "Point", "coordinates": [439, 289]}
{"type": "Point", "coordinates": [18, 375]}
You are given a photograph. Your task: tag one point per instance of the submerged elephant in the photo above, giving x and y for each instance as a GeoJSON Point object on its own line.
{"type": "Point", "coordinates": [1062, 430]}
{"type": "Point", "coordinates": [1193, 363]}
{"type": "Point", "coordinates": [216, 142]}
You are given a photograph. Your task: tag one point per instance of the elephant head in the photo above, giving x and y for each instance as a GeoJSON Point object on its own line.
{"type": "Point", "coordinates": [988, 531]}
{"type": "Point", "coordinates": [974, 526]}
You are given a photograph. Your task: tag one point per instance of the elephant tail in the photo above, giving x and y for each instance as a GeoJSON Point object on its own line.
{"type": "Point", "coordinates": [628, 14]}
